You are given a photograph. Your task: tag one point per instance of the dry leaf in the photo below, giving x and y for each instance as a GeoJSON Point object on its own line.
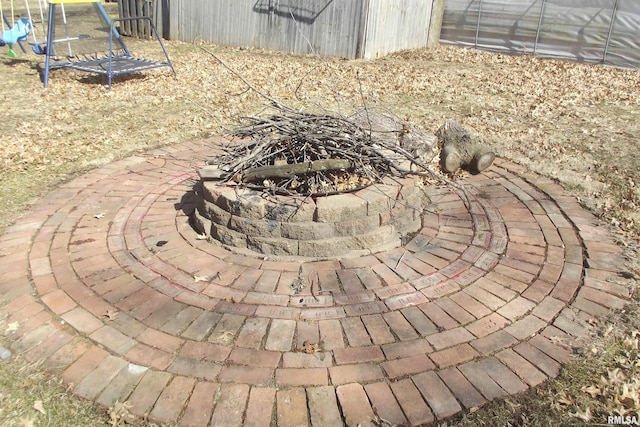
{"type": "Point", "coordinates": [27, 422]}
{"type": "Point", "coordinates": [565, 400]}
{"type": "Point", "coordinates": [592, 390]}
{"type": "Point", "coordinates": [230, 300]}
{"type": "Point", "coordinates": [39, 406]}
{"type": "Point", "coordinates": [12, 327]}
{"type": "Point", "coordinates": [121, 412]}
{"type": "Point", "coordinates": [201, 278]}
{"type": "Point", "coordinates": [99, 216]}
{"type": "Point", "coordinates": [310, 348]}
{"type": "Point", "coordinates": [582, 415]}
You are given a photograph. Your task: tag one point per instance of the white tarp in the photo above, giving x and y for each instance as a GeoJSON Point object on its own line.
{"type": "Point", "coordinates": [600, 31]}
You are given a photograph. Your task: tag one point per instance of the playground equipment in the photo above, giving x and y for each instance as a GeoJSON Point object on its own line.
{"type": "Point", "coordinates": [16, 33]}
{"type": "Point", "coordinates": [117, 60]}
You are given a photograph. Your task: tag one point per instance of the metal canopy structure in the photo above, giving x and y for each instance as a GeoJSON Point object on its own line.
{"type": "Point", "coordinates": [594, 31]}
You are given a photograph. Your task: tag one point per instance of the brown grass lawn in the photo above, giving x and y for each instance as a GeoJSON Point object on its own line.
{"type": "Point", "coordinates": [576, 123]}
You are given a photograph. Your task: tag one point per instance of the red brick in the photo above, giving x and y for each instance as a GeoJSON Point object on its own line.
{"type": "Point", "coordinates": [350, 355]}
{"type": "Point", "coordinates": [195, 368]}
{"type": "Point", "coordinates": [603, 298]}
{"type": "Point", "coordinates": [558, 353]}
{"type": "Point", "coordinates": [291, 408]}
{"type": "Point", "coordinates": [516, 308]}
{"type": "Point", "coordinates": [608, 287]}
{"type": "Point", "coordinates": [378, 329]}
{"type": "Point", "coordinates": [525, 370]}
{"type": "Point", "coordinates": [147, 391]}
{"type": "Point", "coordinates": [412, 402]}
{"type": "Point", "coordinates": [95, 381]}
{"type": "Point", "coordinates": [438, 316]}
{"type": "Point", "coordinates": [205, 351]}
{"type": "Point", "coordinates": [538, 290]}
{"type": "Point", "coordinates": [479, 377]}
{"type": "Point", "coordinates": [281, 334]}
{"type": "Point", "coordinates": [88, 362]}
{"type": "Point", "coordinates": [461, 388]}
{"type": "Point", "coordinates": [331, 334]}
{"type": "Point", "coordinates": [487, 325]}
{"type": "Point", "coordinates": [172, 399]}
{"type": "Point", "coordinates": [113, 339]}
{"type": "Point", "coordinates": [49, 345]}
{"type": "Point", "coordinates": [539, 359]}
{"type": "Point", "coordinates": [161, 340]}
{"type": "Point", "coordinates": [252, 332]}
{"type": "Point", "coordinates": [355, 404]}
{"type": "Point", "coordinates": [450, 338]}
{"type": "Point", "coordinates": [231, 405]}
{"type": "Point", "coordinates": [548, 308]}
{"type": "Point", "coordinates": [568, 283]}
{"type": "Point", "coordinates": [323, 406]}
{"type": "Point", "coordinates": [454, 310]}
{"type": "Point", "coordinates": [362, 372]}
{"type": "Point", "coordinates": [526, 327]}
{"type": "Point", "coordinates": [502, 375]}
{"type": "Point", "coordinates": [384, 403]}
{"type": "Point", "coordinates": [355, 332]}
{"type": "Point", "coordinates": [454, 355]}
{"type": "Point", "coordinates": [301, 377]}
{"type": "Point", "coordinates": [406, 366]}
{"type": "Point", "coordinates": [260, 407]}
{"type": "Point", "coordinates": [148, 356]}
{"type": "Point", "coordinates": [493, 342]}
{"type": "Point", "coordinates": [419, 321]}
{"type": "Point", "coordinates": [406, 348]}
{"type": "Point", "coordinates": [251, 357]}
{"type": "Point", "coordinates": [442, 402]}
{"type": "Point", "coordinates": [307, 332]}
{"type": "Point", "coordinates": [67, 354]}
{"type": "Point", "coordinates": [400, 326]}
{"type": "Point", "coordinates": [305, 360]}
{"type": "Point", "coordinates": [246, 374]}
{"type": "Point", "coordinates": [470, 304]}
{"type": "Point", "coordinates": [45, 284]}
{"type": "Point", "coordinates": [82, 320]}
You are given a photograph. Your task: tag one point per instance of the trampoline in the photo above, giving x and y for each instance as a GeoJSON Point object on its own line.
{"type": "Point", "coordinates": [117, 60]}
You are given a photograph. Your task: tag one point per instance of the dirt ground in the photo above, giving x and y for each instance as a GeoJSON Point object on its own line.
{"type": "Point", "coordinates": [576, 123]}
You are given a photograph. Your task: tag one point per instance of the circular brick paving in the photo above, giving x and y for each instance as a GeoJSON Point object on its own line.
{"type": "Point", "coordinates": [109, 285]}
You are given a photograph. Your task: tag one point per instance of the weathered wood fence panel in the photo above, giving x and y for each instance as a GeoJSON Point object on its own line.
{"type": "Point", "coordinates": [344, 28]}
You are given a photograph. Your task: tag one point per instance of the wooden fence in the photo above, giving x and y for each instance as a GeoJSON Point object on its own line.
{"type": "Point", "coordinates": [343, 28]}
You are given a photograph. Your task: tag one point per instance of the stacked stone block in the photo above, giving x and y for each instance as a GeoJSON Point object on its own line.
{"type": "Point", "coordinates": [340, 225]}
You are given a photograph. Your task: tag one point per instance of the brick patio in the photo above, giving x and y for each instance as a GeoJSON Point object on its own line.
{"type": "Point", "coordinates": [112, 288]}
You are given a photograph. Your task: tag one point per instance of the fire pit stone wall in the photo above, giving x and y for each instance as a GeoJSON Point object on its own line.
{"type": "Point", "coordinates": [351, 224]}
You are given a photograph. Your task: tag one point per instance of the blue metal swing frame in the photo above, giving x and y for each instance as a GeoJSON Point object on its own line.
{"type": "Point", "coordinates": [112, 64]}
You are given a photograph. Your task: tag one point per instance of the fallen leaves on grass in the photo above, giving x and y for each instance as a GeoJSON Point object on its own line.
{"type": "Point", "coordinates": [120, 413]}
{"type": "Point", "coordinates": [39, 406]}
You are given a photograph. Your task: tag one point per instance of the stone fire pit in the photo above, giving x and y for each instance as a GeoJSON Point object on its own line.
{"type": "Point", "coordinates": [341, 225]}
{"type": "Point", "coordinates": [280, 207]}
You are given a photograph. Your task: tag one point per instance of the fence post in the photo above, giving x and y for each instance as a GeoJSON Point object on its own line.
{"type": "Point", "coordinates": [613, 20]}
{"type": "Point", "coordinates": [478, 23]}
{"type": "Point", "coordinates": [435, 23]}
{"type": "Point", "coordinates": [535, 43]}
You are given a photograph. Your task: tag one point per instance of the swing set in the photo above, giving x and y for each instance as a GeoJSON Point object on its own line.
{"type": "Point", "coordinates": [102, 51]}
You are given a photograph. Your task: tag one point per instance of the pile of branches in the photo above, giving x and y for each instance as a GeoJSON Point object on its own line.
{"type": "Point", "coordinates": [305, 153]}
